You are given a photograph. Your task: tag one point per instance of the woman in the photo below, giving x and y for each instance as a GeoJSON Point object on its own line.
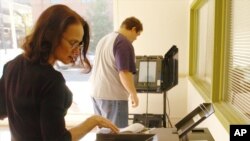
{"type": "Point", "coordinates": [33, 94]}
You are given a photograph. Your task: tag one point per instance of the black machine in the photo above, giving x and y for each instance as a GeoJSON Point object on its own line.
{"type": "Point", "coordinates": [148, 120]}
{"type": "Point", "coordinates": [148, 76]}
{"type": "Point", "coordinates": [155, 73]}
{"type": "Point", "coordinates": [170, 69]}
{"type": "Point", "coordinates": [184, 130]}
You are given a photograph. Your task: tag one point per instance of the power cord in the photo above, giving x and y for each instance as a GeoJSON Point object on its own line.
{"type": "Point", "coordinates": [168, 114]}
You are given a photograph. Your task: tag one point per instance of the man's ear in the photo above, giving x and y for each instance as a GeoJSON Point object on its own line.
{"type": "Point", "coordinates": [134, 29]}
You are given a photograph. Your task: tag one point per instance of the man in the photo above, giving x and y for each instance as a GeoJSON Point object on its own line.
{"type": "Point", "coordinates": [112, 75]}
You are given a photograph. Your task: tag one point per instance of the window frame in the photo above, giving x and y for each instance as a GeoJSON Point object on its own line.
{"type": "Point", "coordinates": [202, 86]}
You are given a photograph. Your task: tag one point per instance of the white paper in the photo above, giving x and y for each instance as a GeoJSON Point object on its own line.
{"type": "Point", "coordinates": [133, 128]}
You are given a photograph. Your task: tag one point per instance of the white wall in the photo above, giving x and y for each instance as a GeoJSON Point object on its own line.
{"type": "Point", "coordinates": [165, 23]}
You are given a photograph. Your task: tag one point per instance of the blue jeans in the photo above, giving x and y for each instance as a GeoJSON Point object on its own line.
{"type": "Point", "coordinates": [114, 110]}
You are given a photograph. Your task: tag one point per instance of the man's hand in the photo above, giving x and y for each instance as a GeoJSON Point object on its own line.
{"type": "Point", "coordinates": [134, 100]}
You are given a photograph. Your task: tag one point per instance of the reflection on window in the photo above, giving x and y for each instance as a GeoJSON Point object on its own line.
{"type": "Point", "coordinates": [205, 42]}
{"type": "Point", "coordinates": [15, 24]}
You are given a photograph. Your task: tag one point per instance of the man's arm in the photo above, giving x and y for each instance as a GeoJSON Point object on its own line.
{"type": "Point", "coordinates": [126, 78]}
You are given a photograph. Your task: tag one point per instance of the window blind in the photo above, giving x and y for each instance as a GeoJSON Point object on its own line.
{"type": "Point", "coordinates": [238, 93]}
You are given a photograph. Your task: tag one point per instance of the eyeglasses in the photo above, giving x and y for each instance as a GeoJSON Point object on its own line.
{"type": "Point", "coordinates": [74, 44]}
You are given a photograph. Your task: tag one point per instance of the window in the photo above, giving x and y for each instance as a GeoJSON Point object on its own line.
{"type": "Point", "coordinates": [15, 23]}
{"type": "Point", "coordinates": [205, 42]}
{"type": "Point", "coordinates": [17, 19]}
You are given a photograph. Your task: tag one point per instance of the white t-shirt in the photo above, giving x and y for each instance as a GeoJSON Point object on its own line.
{"type": "Point", "coordinates": [114, 53]}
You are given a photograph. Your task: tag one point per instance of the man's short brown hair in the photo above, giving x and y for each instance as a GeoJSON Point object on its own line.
{"type": "Point", "coordinates": [131, 22]}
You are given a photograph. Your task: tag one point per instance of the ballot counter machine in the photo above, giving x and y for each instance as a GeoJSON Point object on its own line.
{"type": "Point", "coordinates": [156, 74]}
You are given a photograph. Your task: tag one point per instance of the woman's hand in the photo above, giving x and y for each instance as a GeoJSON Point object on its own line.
{"type": "Point", "coordinates": [103, 122]}
{"type": "Point", "coordinates": [86, 126]}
